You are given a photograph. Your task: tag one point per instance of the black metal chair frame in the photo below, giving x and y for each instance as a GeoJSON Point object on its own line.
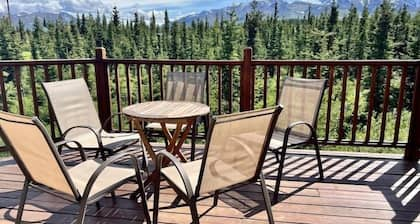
{"type": "Point", "coordinates": [82, 200]}
{"type": "Point", "coordinates": [193, 134]}
{"type": "Point", "coordinates": [101, 148]}
{"type": "Point", "coordinates": [280, 153]}
{"type": "Point", "coordinates": [190, 198]}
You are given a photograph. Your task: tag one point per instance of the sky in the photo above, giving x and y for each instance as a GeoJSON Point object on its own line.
{"type": "Point", "coordinates": [176, 8]}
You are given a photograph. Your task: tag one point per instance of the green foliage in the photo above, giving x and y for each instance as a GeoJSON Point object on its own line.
{"type": "Point", "coordinates": [385, 34]}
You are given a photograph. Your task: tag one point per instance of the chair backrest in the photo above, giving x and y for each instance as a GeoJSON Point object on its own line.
{"type": "Point", "coordinates": [236, 148]}
{"type": "Point", "coordinates": [186, 86]}
{"type": "Point", "coordinates": [72, 105]}
{"type": "Point", "coordinates": [34, 152]}
{"type": "Point", "coordinates": [301, 99]}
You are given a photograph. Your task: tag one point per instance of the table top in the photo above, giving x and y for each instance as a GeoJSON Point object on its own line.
{"type": "Point", "coordinates": [166, 110]}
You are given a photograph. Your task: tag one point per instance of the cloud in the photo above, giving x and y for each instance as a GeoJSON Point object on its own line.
{"type": "Point", "coordinates": [175, 8]}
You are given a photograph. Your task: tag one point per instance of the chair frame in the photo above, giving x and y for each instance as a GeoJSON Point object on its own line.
{"type": "Point", "coordinates": [280, 153]}
{"type": "Point", "coordinates": [84, 199]}
{"type": "Point", "coordinates": [190, 198]}
{"type": "Point", "coordinates": [101, 148]}
{"type": "Point", "coordinates": [206, 119]}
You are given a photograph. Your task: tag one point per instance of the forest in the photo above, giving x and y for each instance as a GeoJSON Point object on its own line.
{"type": "Point", "coordinates": [386, 33]}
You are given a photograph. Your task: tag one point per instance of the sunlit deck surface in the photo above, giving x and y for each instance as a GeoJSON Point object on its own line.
{"type": "Point", "coordinates": [358, 188]}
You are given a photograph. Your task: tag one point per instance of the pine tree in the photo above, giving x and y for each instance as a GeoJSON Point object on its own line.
{"type": "Point", "coordinates": [116, 17]}
{"type": "Point", "coordinates": [174, 44]}
{"type": "Point", "coordinates": [350, 30]}
{"type": "Point", "coordinates": [401, 34]}
{"type": "Point", "coordinates": [332, 25]}
{"type": "Point", "coordinates": [361, 43]}
{"type": "Point", "coordinates": [252, 22]}
{"type": "Point", "coordinates": [381, 48]}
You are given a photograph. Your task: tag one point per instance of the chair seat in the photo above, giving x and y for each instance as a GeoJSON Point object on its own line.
{"type": "Point", "coordinates": [192, 170]}
{"type": "Point", "coordinates": [109, 140]}
{"type": "Point", "coordinates": [157, 126]}
{"type": "Point", "coordinates": [111, 177]}
{"type": "Point", "coordinates": [278, 138]}
{"type": "Point", "coordinates": [223, 174]}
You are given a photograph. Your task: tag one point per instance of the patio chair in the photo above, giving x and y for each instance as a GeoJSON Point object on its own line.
{"type": "Point", "coordinates": [43, 168]}
{"type": "Point", "coordinates": [78, 120]}
{"type": "Point", "coordinates": [183, 86]}
{"type": "Point", "coordinates": [296, 126]}
{"type": "Point", "coordinates": [234, 155]}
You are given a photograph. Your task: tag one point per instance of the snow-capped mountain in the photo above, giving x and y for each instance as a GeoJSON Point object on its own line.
{"type": "Point", "coordinates": [298, 8]}
{"type": "Point", "coordinates": [27, 10]}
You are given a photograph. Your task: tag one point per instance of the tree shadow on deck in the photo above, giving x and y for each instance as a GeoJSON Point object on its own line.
{"type": "Point", "coordinates": [398, 181]}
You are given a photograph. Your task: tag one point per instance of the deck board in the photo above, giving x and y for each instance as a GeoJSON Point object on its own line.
{"type": "Point", "coordinates": [357, 189]}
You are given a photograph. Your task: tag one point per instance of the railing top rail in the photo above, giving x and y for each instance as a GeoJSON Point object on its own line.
{"type": "Point", "coordinates": [337, 62]}
{"type": "Point", "coordinates": [174, 62]}
{"type": "Point", "coordinates": [211, 62]}
{"type": "Point", "coordinates": [46, 62]}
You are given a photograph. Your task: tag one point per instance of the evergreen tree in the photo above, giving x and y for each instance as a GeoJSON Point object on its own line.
{"type": "Point", "coordinates": [332, 25]}
{"type": "Point", "coordinates": [252, 22]}
{"type": "Point", "coordinates": [174, 45]}
{"type": "Point", "coordinates": [361, 43]}
{"type": "Point", "coordinates": [381, 49]}
{"type": "Point", "coordinates": [401, 34]}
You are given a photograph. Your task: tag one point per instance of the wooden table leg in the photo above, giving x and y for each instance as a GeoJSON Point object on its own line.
{"type": "Point", "coordinates": [177, 139]}
{"type": "Point", "coordinates": [145, 140]}
{"type": "Point", "coordinates": [177, 148]}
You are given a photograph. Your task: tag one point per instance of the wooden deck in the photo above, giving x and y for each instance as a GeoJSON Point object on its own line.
{"type": "Point", "coordinates": [357, 189]}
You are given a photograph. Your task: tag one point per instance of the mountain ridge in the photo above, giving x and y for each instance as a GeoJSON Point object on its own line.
{"type": "Point", "coordinates": [27, 10]}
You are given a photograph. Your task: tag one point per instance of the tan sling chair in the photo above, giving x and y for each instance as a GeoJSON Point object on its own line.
{"type": "Point", "coordinates": [78, 120]}
{"type": "Point", "coordinates": [234, 155]}
{"type": "Point", "coordinates": [183, 86]}
{"type": "Point", "coordinates": [38, 159]}
{"type": "Point", "coordinates": [296, 125]}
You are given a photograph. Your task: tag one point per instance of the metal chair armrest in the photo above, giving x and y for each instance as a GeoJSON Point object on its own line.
{"type": "Point", "coordinates": [107, 121]}
{"type": "Point", "coordinates": [109, 161]}
{"type": "Point", "coordinates": [97, 135]}
{"type": "Point", "coordinates": [293, 125]}
{"type": "Point", "coordinates": [179, 168]}
{"type": "Point", "coordinates": [78, 148]}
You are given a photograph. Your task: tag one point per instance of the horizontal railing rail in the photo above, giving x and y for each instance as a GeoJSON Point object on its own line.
{"type": "Point", "coordinates": [344, 76]}
{"type": "Point", "coordinates": [368, 102]}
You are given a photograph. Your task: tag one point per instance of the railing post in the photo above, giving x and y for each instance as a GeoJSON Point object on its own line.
{"type": "Point", "coordinates": [413, 145]}
{"type": "Point", "coordinates": [102, 87]}
{"type": "Point", "coordinates": [246, 80]}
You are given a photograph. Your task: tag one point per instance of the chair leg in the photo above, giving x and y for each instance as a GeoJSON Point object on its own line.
{"type": "Point", "coordinates": [156, 200]}
{"type": "Point", "coordinates": [277, 157]}
{"type": "Point", "coordinates": [82, 212]}
{"type": "Point", "coordinates": [279, 174]}
{"type": "Point", "coordinates": [22, 201]}
{"type": "Point", "coordinates": [101, 151]}
{"type": "Point", "coordinates": [318, 157]}
{"type": "Point", "coordinates": [215, 198]}
{"type": "Point", "coordinates": [98, 205]}
{"type": "Point", "coordinates": [194, 212]}
{"type": "Point", "coordinates": [144, 201]}
{"type": "Point", "coordinates": [193, 137]}
{"type": "Point", "coordinates": [114, 198]}
{"type": "Point", "coordinates": [266, 199]}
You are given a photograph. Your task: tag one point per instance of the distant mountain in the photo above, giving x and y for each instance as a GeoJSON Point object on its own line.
{"type": "Point", "coordinates": [27, 10]}
{"type": "Point", "coordinates": [296, 8]}
{"type": "Point", "coordinates": [28, 18]}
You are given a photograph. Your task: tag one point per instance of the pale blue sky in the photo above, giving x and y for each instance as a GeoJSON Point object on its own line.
{"type": "Point", "coordinates": [175, 8]}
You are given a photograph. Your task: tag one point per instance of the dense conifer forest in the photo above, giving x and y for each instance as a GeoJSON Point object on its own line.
{"type": "Point", "coordinates": [386, 33]}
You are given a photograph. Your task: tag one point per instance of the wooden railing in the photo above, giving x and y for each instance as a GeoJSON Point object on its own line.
{"type": "Point", "coordinates": [352, 113]}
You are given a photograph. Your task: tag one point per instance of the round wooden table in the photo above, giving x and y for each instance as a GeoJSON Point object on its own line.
{"type": "Point", "coordinates": [181, 113]}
